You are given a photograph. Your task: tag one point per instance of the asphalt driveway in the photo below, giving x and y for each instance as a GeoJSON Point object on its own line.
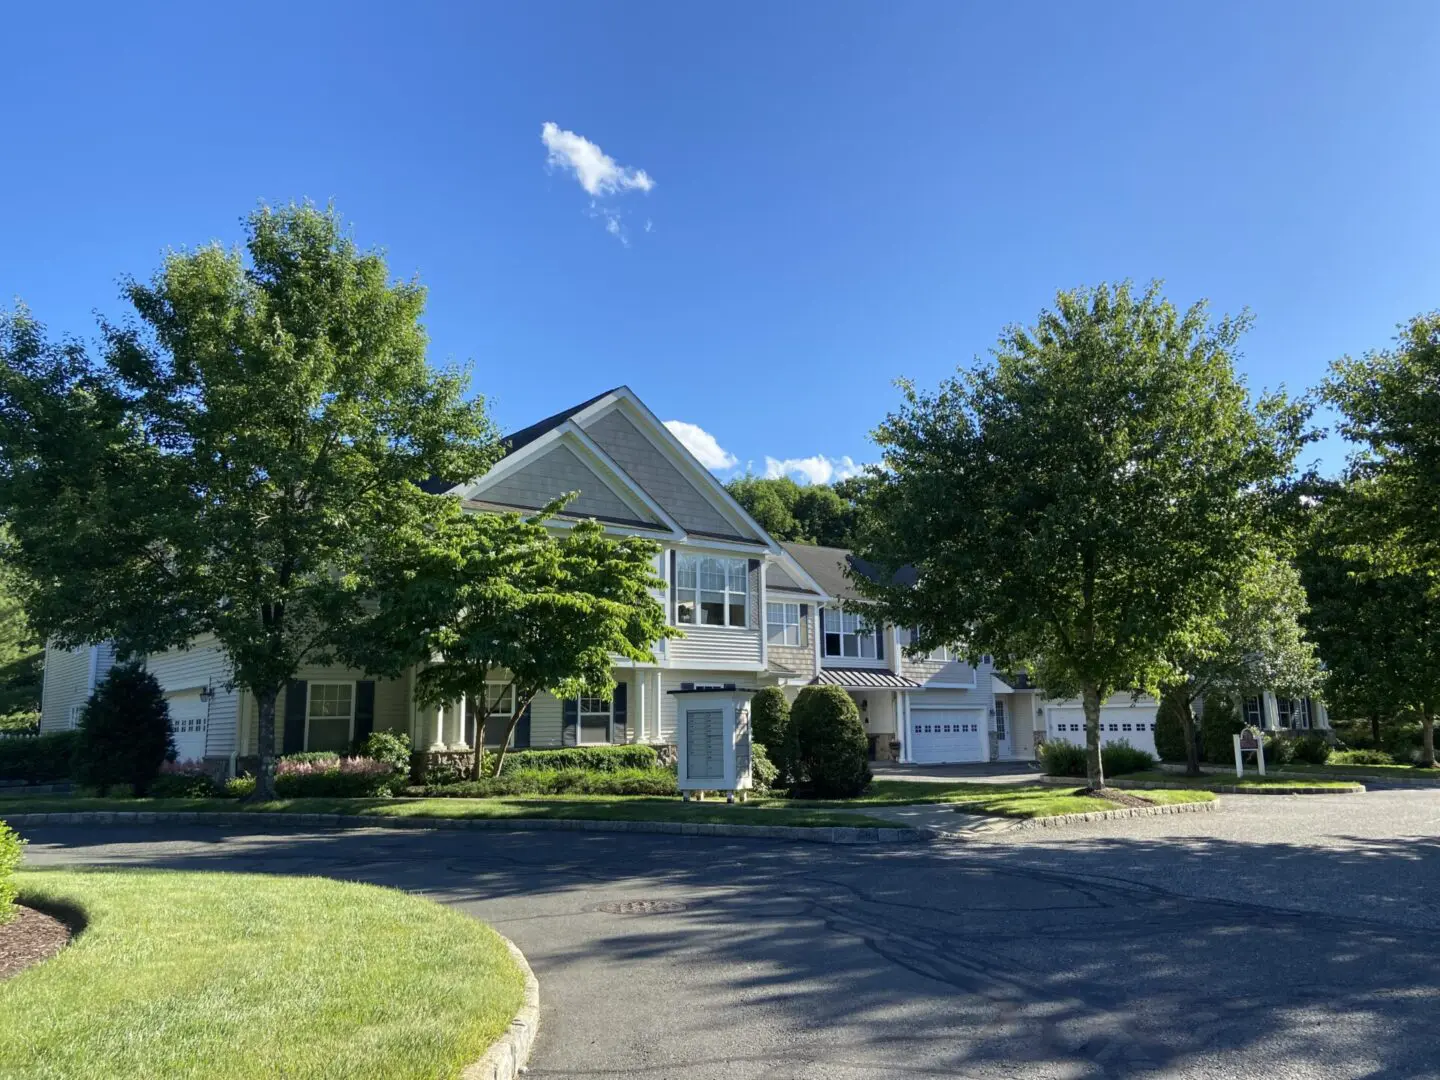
{"type": "Point", "coordinates": [1275, 938]}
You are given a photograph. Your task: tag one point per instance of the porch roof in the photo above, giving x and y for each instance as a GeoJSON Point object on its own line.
{"type": "Point", "coordinates": [864, 679]}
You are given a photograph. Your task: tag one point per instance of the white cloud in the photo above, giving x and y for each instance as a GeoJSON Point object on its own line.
{"type": "Point", "coordinates": [817, 469]}
{"type": "Point", "coordinates": [703, 445]}
{"type": "Point", "coordinates": [596, 170]}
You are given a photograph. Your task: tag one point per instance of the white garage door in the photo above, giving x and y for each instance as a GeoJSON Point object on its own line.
{"type": "Point", "coordinates": [187, 721]}
{"type": "Point", "coordinates": [938, 736]}
{"type": "Point", "coordinates": [1118, 723]}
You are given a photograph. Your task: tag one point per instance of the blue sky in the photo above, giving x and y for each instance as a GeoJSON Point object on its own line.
{"type": "Point", "coordinates": [803, 201]}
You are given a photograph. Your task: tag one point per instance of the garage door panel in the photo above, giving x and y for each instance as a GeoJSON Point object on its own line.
{"type": "Point", "coordinates": [942, 736]}
{"type": "Point", "coordinates": [188, 723]}
{"type": "Point", "coordinates": [1135, 726]}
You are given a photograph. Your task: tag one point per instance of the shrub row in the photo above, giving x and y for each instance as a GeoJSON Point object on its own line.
{"type": "Point", "coordinates": [11, 848]}
{"type": "Point", "coordinates": [653, 781]}
{"type": "Point", "coordinates": [586, 758]}
{"type": "Point", "coordinates": [1117, 758]}
{"type": "Point", "coordinates": [38, 760]}
{"type": "Point", "coordinates": [1361, 757]}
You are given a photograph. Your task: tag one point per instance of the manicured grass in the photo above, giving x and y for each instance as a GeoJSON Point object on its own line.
{"type": "Point", "coordinates": [241, 975]}
{"type": "Point", "coordinates": [1380, 772]}
{"type": "Point", "coordinates": [1213, 780]}
{"type": "Point", "coordinates": [591, 807]}
{"type": "Point", "coordinates": [1004, 800]}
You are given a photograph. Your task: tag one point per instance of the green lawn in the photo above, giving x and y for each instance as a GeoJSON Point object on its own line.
{"type": "Point", "coordinates": [1003, 800]}
{"type": "Point", "coordinates": [591, 807]}
{"type": "Point", "coordinates": [1380, 772]}
{"type": "Point", "coordinates": [241, 975]}
{"type": "Point", "coordinates": [1213, 780]}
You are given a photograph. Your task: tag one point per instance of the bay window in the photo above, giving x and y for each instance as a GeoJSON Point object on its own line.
{"type": "Point", "coordinates": [850, 635]}
{"type": "Point", "coordinates": [782, 623]}
{"type": "Point", "coordinates": [711, 591]}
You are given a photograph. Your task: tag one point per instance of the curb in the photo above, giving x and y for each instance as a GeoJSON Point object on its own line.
{"type": "Point", "coordinates": [1223, 789]}
{"type": "Point", "coordinates": [509, 1055]}
{"type": "Point", "coordinates": [829, 834]}
{"type": "Point", "coordinates": [1349, 778]}
{"type": "Point", "coordinates": [1113, 815]}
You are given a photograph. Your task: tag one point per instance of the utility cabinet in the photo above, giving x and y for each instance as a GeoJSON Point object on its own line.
{"type": "Point", "coordinates": [712, 737]}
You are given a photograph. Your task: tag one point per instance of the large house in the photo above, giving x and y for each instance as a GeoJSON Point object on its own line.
{"type": "Point", "coordinates": [754, 612]}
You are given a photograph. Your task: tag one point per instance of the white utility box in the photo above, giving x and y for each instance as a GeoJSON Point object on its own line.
{"type": "Point", "coordinates": [712, 735]}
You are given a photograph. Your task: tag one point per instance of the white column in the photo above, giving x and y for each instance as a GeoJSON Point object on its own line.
{"type": "Point", "coordinates": [437, 728]}
{"type": "Point", "coordinates": [455, 738]}
{"type": "Point", "coordinates": [641, 678]}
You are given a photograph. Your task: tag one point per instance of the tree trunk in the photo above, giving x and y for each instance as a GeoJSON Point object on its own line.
{"type": "Point", "coordinates": [1192, 748]}
{"type": "Point", "coordinates": [1427, 738]}
{"type": "Point", "coordinates": [1094, 770]}
{"type": "Point", "coordinates": [520, 707]}
{"type": "Point", "coordinates": [1375, 729]}
{"type": "Point", "coordinates": [265, 736]}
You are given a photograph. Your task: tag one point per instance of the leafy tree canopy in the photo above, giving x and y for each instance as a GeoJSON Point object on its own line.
{"type": "Point", "coordinates": [245, 443]}
{"type": "Point", "coordinates": [497, 597]}
{"type": "Point", "coordinates": [22, 656]}
{"type": "Point", "coordinates": [805, 514]}
{"type": "Point", "coordinates": [1080, 504]}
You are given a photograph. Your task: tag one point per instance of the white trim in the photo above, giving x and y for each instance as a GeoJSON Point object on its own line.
{"type": "Point", "coordinates": [310, 685]}
{"type": "Point", "coordinates": [581, 713]}
{"type": "Point", "coordinates": [727, 592]}
{"type": "Point", "coordinates": [666, 440]}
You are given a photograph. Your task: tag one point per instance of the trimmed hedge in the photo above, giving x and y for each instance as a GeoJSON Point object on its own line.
{"type": "Point", "coordinates": [583, 758]}
{"type": "Point", "coordinates": [39, 760]}
{"type": "Point", "coordinates": [1116, 759]}
{"type": "Point", "coordinates": [834, 754]}
{"type": "Point", "coordinates": [1361, 757]}
{"type": "Point", "coordinates": [11, 848]}
{"type": "Point", "coordinates": [559, 782]}
{"type": "Point", "coordinates": [770, 726]}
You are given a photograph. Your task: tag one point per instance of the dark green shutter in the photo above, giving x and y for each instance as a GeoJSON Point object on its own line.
{"type": "Point", "coordinates": [752, 599]}
{"type": "Point", "coordinates": [522, 731]}
{"type": "Point", "coordinates": [674, 590]}
{"type": "Point", "coordinates": [364, 709]}
{"type": "Point", "coordinates": [570, 723]}
{"type": "Point", "coordinates": [880, 642]}
{"type": "Point", "coordinates": [295, 701]}
{"type": "Point", "coordinates": [621, 713]}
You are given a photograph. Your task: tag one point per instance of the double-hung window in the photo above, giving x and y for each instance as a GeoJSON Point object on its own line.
{"type": "Point", "coordinates": [1282, 711]}
{"type": "Point", "coordinates": [1255, 712]}
{"type": "Point", "coordinates": [782, 623]}
{"type": "Point", "coordinates": [711, 591]}
{"type": "Point", "coordinates": [848, 634]}
{"type": "Point", "coordinates": [330, 716]}
{"type": "Point", "coordinates": [594, 716]}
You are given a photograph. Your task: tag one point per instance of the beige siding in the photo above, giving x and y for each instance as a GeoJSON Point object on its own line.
{"type": "Point", "coordinates": [799, 659]}
{"type": "Point", "coordinates": [202, 665]}
{"type": "Point", "coordinates": [392, 703]}
{"type": "Point", "coordinates": [648, 466]}
{"type": "Point", "coordinates": [671, 680]}
{"type": "Point", "coordinates": [553, 474]}
{"type": "Point", "coordinates": [722, 644]}
{"type": "Point", "coordinates": [66, 683]}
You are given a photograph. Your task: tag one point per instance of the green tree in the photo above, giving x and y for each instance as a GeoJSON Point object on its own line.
{"type": "Point", "coordinates": [482, 596]}
{"type": "Point", "coordinates": [1078, 505]}
{"type": "Point", "coordinates": [1254, 641]}
{"type": "Point", "coordinates": [124, 734]}
{"type": "Point", "coordinates": [22, 656]}
{"type": "Point", "coordinates": [245, 446]}
{"type": "Point", "coordinates": [1389, 406]}
{"type": "Point", "coordinates": [1374, 616]}
{"type": "Point", "coordinates": [803, 513]}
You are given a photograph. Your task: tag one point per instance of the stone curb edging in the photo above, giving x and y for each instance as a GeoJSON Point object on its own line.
{"type": "Point", "coordinates": [829, 834]}
{"type": "Point", "coordinates": [1349, 778]}
{"type": "Point", "coordinates": [509, 1056]}
{"type": "Point", "coordinates": [1111, 815]}
{"type": "Point", "coordinates": [1218, 789]}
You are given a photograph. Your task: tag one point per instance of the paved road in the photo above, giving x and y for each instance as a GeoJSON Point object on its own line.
{"type": "Point", "coordinates": [1278, 937]}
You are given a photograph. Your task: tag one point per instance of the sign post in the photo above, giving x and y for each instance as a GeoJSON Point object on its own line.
{"type": "Point", "coordinates": [1249, 742]}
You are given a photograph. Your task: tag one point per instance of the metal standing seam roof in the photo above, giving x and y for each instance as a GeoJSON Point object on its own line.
{"type": "Point", "coordinates": [864, 679]}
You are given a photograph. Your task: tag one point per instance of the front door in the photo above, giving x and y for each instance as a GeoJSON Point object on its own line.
{"type": "Point", "coordinates": [1002, 727]}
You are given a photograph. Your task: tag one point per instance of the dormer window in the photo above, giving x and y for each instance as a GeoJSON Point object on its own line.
{"type": "Point", "coordinates": [850, 635]}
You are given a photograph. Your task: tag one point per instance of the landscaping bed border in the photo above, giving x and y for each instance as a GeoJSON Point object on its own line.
{"type": "Point", "coordinates": [1159, 810]}
{"type": "Point", "coordinates": [1218, 789]}
{"type": "Point", "coordinates": [509, 1056]}
{"type": "Point", "coordinates": [822, 834]}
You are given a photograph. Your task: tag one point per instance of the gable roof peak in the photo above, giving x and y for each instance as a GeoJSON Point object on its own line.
{"type": "Point", "coordinates": [526, 435]}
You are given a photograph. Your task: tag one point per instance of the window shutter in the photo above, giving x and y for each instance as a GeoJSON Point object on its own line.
{"type": "Point", "coordinates": [620, 710]}
{"type": "Point", "coordinates": [570, 723]}
{"type": "Point", "coordinates": [804, 624]}
{"type": "Point", "coordinates": [364, 708]}
{"type": "Point", "coordinates": [752, 601]}
{"type": "Point", "coordinates": [522, 730]}
{"type": "Point", "coordinates": [673, 589]}
{"type": "Point", "coordinates": [294, 737]}
{"type": "Point", "coordinates": [880, 642]}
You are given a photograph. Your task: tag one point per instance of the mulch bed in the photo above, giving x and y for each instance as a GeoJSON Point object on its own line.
{"type": "Point", "coordinates": [28, 938]}
{"type": "Point", "coordinates": [1115, 795]}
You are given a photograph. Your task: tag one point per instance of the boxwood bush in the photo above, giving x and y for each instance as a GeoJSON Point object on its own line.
{"type": "Point", "coordinates": [1116, 758]}
{"type": "Point", "coordinates": [834, 754]}
{"type": "Point", "coordinates": [560, 782]}
{"type": "Point", "coordinates": [38, 760]}
{"type": "Point", "coordinates": [1060, 758]}
{"type": "Point", "coordinates": [586, 758]}
{"type": "Point", "coordinates": [11, 848]}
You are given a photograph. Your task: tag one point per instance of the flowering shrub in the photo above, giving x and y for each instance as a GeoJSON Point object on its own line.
{"type": "Point", "coordinates": [561, 782]}
{"type": "Point", "coordinates": [348, 777]}
{"type": "Point", "coordinates": [239, 787]}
